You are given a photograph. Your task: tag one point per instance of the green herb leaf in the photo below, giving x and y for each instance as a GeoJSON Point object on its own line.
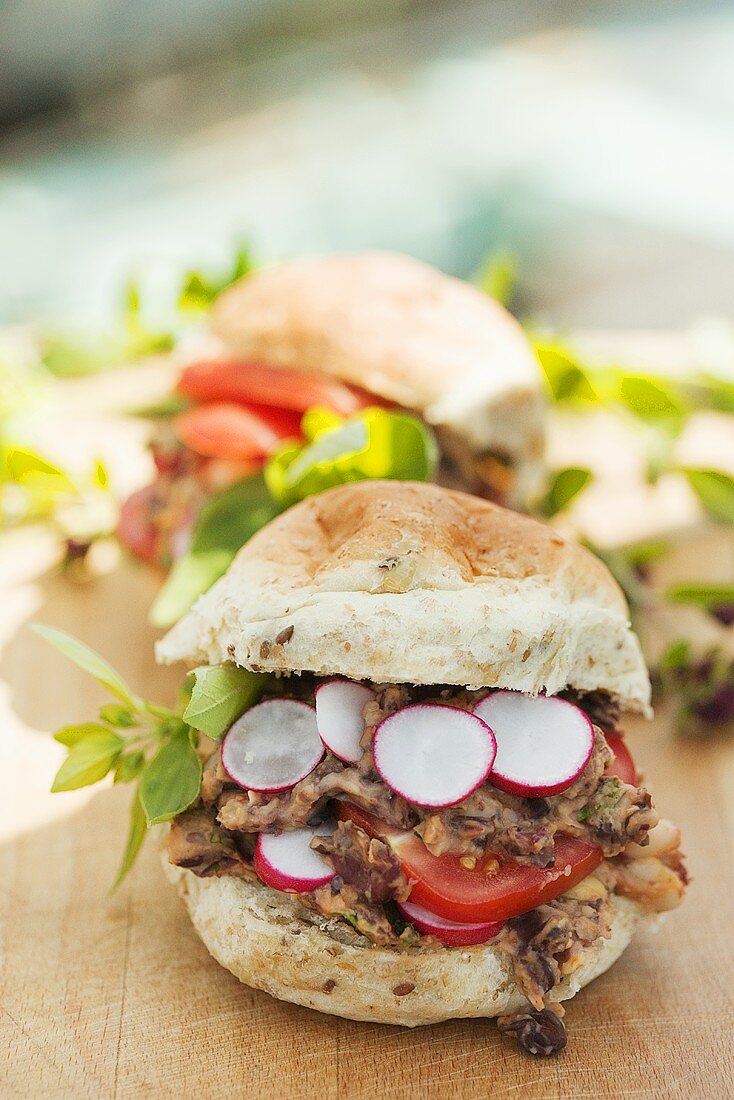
{"type": "Point", "coordinates": [566, 379]}
{"type": "Point", "coordinates": [171, 781]}
{"type": "Point", "coordinates": [221, 693]}
{"type": "Point", "coordinates": [26, 467]}
{"type": "Point", "coordinates": [497, 275]}
{"type": "Point", "coordinates": [715, 490]}
{"type": "Point", "coordinates": [702, 595]}
{"type": "Point", "coordinates": [89, 760]}
{"type": "Point", "coordinates": [76, 354]}
{"type": "Point", "coordinates": [565, 487]}
{"type": "Point", "coordinates": [129, 766]}
{"type": "Point", "coordinates": [677, 655]}
{"type": "Point", "coordinates": [160, 410]}
{"type": "Point", "coordinates": [70, 735]}
{"type": "Point", "coordinates": [378, 443]}
{"type": "Point", "coordinates": [199, 290]}
{"type": "Point", "coordinates": [90, 662]}
{"type": "Point", "coordinates": [650, 399]}
{"type": "Point", "coordinates": [100, 476]}
{"type": "Point", "coordinates": [711, 392]}
{"type": "Point", "coordinates": [644, 553]}
{"type": "Point", "coordinates": [117, 716]}
{"type": "Point", "coordinates": [225, 524]}
{"type": "Point", "coordinates": [141, 339]}
{"type": "Point", "coordinates": [135, 838]}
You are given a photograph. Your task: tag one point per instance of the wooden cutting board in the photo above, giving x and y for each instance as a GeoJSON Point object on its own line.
{"type": "Point", "coordinates": [107, 997]}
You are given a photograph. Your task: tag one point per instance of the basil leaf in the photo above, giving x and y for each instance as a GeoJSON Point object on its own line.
{"type": "Point", "coordinates": [89, 760]}
{"type": "Point", "coordinates": [221, 693]}
{"type": "Point", "coordinates": [90, 662]}
{"type": "Point", "coordinates": [171, 781]}
{"type": "Point", "coordinates": [101, 476]}
{"type": "Point", "coordinates": [651, 400]}
{"type": "Point", "coordinates": [199, 290]}
{"type": "Point", "coordinates": [26, 468]}
{"type": "Point", "coordinates": [702, 595]}
{"type": "Point", "coordinates": [68, 355]}
{"type": "Point", "coordinates": [676, 656]}
{"type": "Point", "coordinates": [567, 381]}
{"type": "Point", "coordinates": [715, 490]}
{"type": "Point", "coordinates": [141, 339]}
{"type": "Point", "coordinates": [71, 735]}
{"type": "Point", "coordinates": [641, 554]}
{"type": "Point", "coordinates": [225, 524]}
{"type": "Point", "coordinates": [718, 393]}
{"type": "Point", "coordinates": [565, 487]}
{"type": "Point", "coordinates": [497, 275]}
{"type": "Point", "coordinates": [378, 443]}
{"type": "Point", "coordinates": [160, 410]}
{"type": "Point", "coordinates": [129, 766]}
{"type": "Point", "coordinates": [120, 717]}
{"type": "Point", "coordinates": [135, 838]}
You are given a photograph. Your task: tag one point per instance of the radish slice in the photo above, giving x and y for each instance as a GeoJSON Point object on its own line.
{"type": "Point", "coordinates": [287, 862]}
{"type": "Point", "coordinates": [450, 932]}
{"type": "Point", "coordinates": [339, 705]}
{"type": "Point", "coordinates": [433, 755]}
{"type": "Point", "coordinates": [543, 743]}
{"type": "Point", "coordinates": [272, 746]}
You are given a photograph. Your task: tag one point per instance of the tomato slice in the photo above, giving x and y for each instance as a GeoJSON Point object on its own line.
{"type": "Point", "coordinates": [226, 430]}
{"type": "Point", "coordinates": [623, 766]}
{"type": "Point", "coordinates": [444, 886]}
{"type": "Point", "coordinates": [258, 384]}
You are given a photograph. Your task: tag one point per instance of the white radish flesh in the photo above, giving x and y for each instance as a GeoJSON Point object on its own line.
{"type": "Point", "coordinates": [339, 706]}
{"type": "Point", "coordinates": [272, 746]}
{"type": "Point", "coordinates": [287, 861]}
{"type": "Point", "coordinates": [450, 933]}
{"type": "Point", "coordinates": [543, 743]}
{"type": "Point", "coordinates": [433, 755]}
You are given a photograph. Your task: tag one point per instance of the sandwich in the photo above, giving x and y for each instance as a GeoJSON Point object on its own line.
{"type": "Point", "coordinates": [422, 806]}
{"type": "Point", "coordinates": [343, 333]}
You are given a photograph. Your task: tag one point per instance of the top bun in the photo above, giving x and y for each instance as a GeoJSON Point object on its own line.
{"type": "Point", "coordinates": [402, 330]}
{"type": "Point", "coordinates": [410, 583]}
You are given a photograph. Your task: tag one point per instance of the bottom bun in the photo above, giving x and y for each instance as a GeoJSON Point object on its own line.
{"type": "Point", "coordinates": [269, 941]}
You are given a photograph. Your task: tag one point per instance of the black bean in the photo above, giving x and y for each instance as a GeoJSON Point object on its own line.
{"type": "Point", "coordinates": [538, 1032]}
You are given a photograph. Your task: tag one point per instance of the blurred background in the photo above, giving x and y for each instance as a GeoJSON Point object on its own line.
{"type": "Point", "coordinates": [574, 159]}
{"type": "Point", "coordinates": [594, 142]}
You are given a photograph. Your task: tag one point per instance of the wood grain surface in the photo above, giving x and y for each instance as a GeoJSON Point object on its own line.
{"type": "Point", "coordinates": [115, 996]}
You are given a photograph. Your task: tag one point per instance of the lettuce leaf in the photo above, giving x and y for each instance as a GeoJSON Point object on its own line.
{"type": "Point", "coordinates": [377, 443]}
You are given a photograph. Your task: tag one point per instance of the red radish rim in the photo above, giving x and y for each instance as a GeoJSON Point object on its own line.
{"type": "Point", "coordinates": [288, 881]}
{"type": "Point", "coordinates": [514, 785]}
{"type": "Point", "coordinates": [432, 804]}
{"type": "Point", "coordinates": [283, 786]}
{"type": "Point", "coordinates": [462, 934]}
{"type": "Point", "coordinates": [351, 683]}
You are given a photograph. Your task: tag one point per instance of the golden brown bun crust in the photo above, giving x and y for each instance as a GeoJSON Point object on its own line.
{"type": "Point", "coordinates": [267, 940]}
{"type": "Point", "coordinates": [400, 329]}
{"type": "Point", "coordinates": [401, 582]}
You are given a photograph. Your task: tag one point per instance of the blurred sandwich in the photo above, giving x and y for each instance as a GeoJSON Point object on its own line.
{"type": "Point", "coordinates": [344, 333]}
